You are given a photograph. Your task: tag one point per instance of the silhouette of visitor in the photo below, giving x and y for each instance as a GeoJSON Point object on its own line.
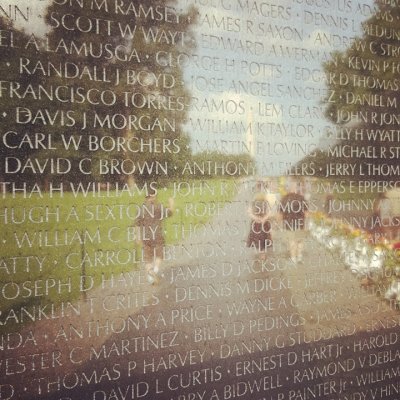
{"type": "Point", "coordinates": [260, 236]}
{"type": "Point", "coordinates": [382, 217]}
{"type": "Point", "coordinates": [329, 199]}
{"type": "Point", "coordinates": [150, 219]}
{"type": "Point", "coordinates": [293, 208]}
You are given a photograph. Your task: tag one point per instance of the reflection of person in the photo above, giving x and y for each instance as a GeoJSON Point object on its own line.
{"type": "Point", "coordinates": [260, 230]}
{"type": "Point", "coordinates": [293, 208]}
{"type": "Point", "coordinates": [328, 204]}
{"type": "Point", "coordinates": [382, 215]}
{"type": "Point", "coordinates": [152, 214]}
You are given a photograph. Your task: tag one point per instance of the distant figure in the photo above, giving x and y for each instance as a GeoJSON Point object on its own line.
{"type": "Point", "coordinates": [293, 208]}
{"type": "Point", "coordinates": [328, 204]}
{"type": "Point", "coordinates": [260, 227]}
{"type": "Point", "coordinates": [150, 220]}
{"type": "Point", "coordinates": [382, 216]}
{"type": "Point", "coordinates": [306, 190]}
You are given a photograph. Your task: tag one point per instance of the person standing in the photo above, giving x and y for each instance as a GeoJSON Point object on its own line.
{"type": "Point", "coordinates": [329, 199]}
{"type": "Point", "coordinates": [293, 207]}
{"type": "Point", "coordinates": [149, 221]}
{"type": "Point", "coordinates": [382, 217]}
{"type": "Point", "coordinates": [259, 236]}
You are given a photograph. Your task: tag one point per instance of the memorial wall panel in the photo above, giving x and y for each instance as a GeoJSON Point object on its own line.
{"type": "Point", "coordinates": [199, 199]}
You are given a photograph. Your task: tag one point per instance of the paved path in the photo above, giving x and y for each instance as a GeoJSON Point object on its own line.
{"type": "Point", "coordinates": [218, 324]}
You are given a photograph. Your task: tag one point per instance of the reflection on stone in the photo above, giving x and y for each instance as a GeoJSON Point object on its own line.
{"type": "Point", "coordinates": [200, 200]}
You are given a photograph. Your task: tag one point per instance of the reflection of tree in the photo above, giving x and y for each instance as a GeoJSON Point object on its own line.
{"type": "Point", "coordinates": [101, 47]}
{"type": "Point", "coordinates": [12, 132]}
{"type": "Point", "coordinates": [316, 164]}
{"type": "Point", "coordinates": [227, 164]}
{"type": "Point", "coordinates": [157, 117]}
{"type": "Point", "coordinates": [364, 93]}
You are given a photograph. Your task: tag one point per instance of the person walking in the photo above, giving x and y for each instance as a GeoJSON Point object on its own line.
{"type": "Point", "coordinates": [260, 236]}
{"type": "Point", "coordinates": [293, 207]}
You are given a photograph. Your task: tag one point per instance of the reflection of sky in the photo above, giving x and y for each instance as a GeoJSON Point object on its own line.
{"type": "Point", "coordinates": [268, 87]}
{"type": "Point", "coordinates": [36, 12]}
{"type": "Point", "coordinates": [293, 41]}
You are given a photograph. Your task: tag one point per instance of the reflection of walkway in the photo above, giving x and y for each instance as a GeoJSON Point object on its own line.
{"type": "Point", "coordinates": [221, 318]}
